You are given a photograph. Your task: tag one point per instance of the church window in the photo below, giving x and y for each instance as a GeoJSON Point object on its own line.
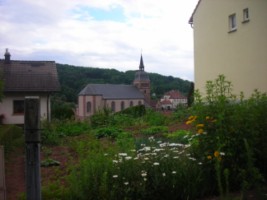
{"type": "Point", "coordinates": [122, 105]}
{"type": "Point", "coordinates": [113, 106]}
{"type": "Point", "coordinates": [88, 106]}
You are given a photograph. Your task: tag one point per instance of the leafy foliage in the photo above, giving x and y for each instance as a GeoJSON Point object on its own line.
{"type": "Point", "coordinates": [62, 110]}
{"type": "Point", "coordinates": [53, 132]}
{"type": "Point", "coordinates": [11, 136]}
{"type": "Point", "coordinates": [154, 130]}
{"type": "Point", "coordinates": [230, 133]}
{"type": "Point", "coordinates": [110, 132]}
{"type": "Point", "coordinates": [1, 85]}
{"type": "Point", "coordinates": [1, 89]}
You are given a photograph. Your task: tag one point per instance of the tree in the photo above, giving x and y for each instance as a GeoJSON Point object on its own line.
{"type": "Point", "coordinates": [1, 87]}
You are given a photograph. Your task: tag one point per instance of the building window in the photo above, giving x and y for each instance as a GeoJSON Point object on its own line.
{"type": "Point", "coordinates": [131, 103]}
{"type": "Point", "coordinates": [113, 106]}
{"type": "Point", "coordinates": [88, 107]}
{"type": "Point", "coordinates": [122, 105]}
{"type": "Point", "coordinates": [245, 15]}
{"type": "Point", "coordinates": [232, 23]}
{"type": "Point", "coordinates": [139, 103]}
{"type": "Point", "coordinates": [18, 107]}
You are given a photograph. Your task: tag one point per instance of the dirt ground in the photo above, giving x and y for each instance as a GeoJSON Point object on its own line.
{"type": "Point", "coordinates": [15, 169]}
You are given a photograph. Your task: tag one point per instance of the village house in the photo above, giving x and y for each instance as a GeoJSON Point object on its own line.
{"type": "Point", "coordinates": [230, 39]}
{"type": "Point", "coordinates": [172, 99]}
{"type": "Point", "coordinates": [22, 79]}
{"type": "Point", "coordinates": [95, 97]}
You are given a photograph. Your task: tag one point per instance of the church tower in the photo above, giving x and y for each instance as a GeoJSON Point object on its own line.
{"type": "Point", "coordinates": [142, 81]}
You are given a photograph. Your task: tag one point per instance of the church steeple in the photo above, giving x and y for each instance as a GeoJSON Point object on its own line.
{"type": "Point", "coordinates": [142, 81]}
{"type": "Point", "coordinates": [141, 65]}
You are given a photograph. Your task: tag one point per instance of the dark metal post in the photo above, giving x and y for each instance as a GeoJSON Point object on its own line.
{"type": "Point", "coordinates": [32, 139]}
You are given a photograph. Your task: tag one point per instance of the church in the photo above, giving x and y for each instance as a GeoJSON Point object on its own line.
{"type": "Point", "coordinates": [117, 97]}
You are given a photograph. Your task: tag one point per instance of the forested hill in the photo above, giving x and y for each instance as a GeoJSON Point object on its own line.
{"type": "Point", "coordinates": [73, 79]}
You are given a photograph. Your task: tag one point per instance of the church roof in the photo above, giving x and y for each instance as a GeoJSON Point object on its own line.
{"type": "Point", "coordinates": [112, 91]}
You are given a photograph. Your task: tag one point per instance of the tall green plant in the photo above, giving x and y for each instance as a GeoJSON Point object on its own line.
{"type": "Point", "coordinates": [222, 122]}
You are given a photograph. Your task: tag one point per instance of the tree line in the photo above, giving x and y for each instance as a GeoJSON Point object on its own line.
{"type": "Point", "coordinates": [74, 78]}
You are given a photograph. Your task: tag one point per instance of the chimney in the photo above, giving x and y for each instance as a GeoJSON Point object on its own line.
{"type": "Point", "coordinates": [7, 57]}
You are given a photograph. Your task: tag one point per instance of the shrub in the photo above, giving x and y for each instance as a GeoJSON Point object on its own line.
{"type": "Point", "coordinates": [11, 136]}
{"type": "Point", "coordinates": [154, 130]}
{"type": "Point", "coordinates": [135, 111]}
{"type": "Point", "coordinates": [181, 136]}
{"type": "Point", "coordinates": [154, 118]}
{"type": "Point", "coordinates": [110, 132]}
{"type": "Point", "coordinates": [101, 118]}
{"type": "Point", "coordinates": [222, 122]}
{"type": "Point", "coordinates": [62, 110]}
{"type": "Point", "coordinates": [53, 132]}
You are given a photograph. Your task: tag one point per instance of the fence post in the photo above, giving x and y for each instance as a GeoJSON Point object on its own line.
{"type": "Point", "coordinates": [2, 174]}
{"type": "Point", "coordinates": [32, 139]}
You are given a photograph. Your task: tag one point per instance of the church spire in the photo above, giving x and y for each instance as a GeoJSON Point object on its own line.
{"type": "Point", "coordinates": [141, 65]}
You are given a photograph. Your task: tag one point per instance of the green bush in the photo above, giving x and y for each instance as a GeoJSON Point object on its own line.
{"type": "Point", "coordinates": [135, 111]}
{"type": "Point", "coordinates": [62, 110]}
{"type": "Point", "coordinates": [127, 117]}
{"type": "Point", "coordinates": [101, 118]}
{"type": "Point", "coordinates": [53, 132]}
{"type": "Point", "coordinates": [222, 122]}
{"type": "Point", "coordinates": [11, 136]}
{"type": "Point", "coordinates": [110, 132]}
{"type": "Point", "coordinates": [154, 130]}
{"type": "Point", "coordinates": [154, 118]}
{"type": "Point", "coordinates": [181, 136]}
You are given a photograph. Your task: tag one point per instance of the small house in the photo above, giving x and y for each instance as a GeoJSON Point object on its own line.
{"type": "Point", "coordinates": [22, 79]}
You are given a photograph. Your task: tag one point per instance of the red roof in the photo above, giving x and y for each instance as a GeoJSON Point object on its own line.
{"type": "Point", "coordinates": [175, 94]}
{"type": "Point", "coordinates": [165, 101]}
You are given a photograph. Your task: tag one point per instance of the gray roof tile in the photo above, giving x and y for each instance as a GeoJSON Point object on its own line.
{"type": "Point", "coordinates": [24, 76]}
{"type": "Point", "coordinates": [113, 91]}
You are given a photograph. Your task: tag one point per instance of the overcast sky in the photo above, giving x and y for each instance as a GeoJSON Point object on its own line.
{"type": "Point", "coordinates": [101, 33]}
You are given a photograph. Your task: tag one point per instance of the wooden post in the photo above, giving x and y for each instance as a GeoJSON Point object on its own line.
{"type": "Point", "coordinates": [2, 174]}
{"type": "Point", "coordinates": [32, 139]}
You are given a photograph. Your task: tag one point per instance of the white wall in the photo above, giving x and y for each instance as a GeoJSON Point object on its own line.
{"type": "Point", "coordinates": [240, 55]}
{"type": "Point", "coordinates": [98, 103]}
{"type": "Point", "coordinates": [6, 108]}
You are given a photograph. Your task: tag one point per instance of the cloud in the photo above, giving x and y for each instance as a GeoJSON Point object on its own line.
{"type": "Point", "coordinates": [106, 33]}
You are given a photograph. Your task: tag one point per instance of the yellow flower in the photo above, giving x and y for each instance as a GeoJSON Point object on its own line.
{"type": "Point", "coordinates": [216, 154]}
{"type": "Point", "coordinates": [188, 122]}
{"type": "Point", "coordinates": [200, 125]}
{"type": "Point", "coordinates": [192, 118]}
{"type": "Point", "coordinates": [209, 157]}
{"type": "Point", "coordinates": [200, 131]}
